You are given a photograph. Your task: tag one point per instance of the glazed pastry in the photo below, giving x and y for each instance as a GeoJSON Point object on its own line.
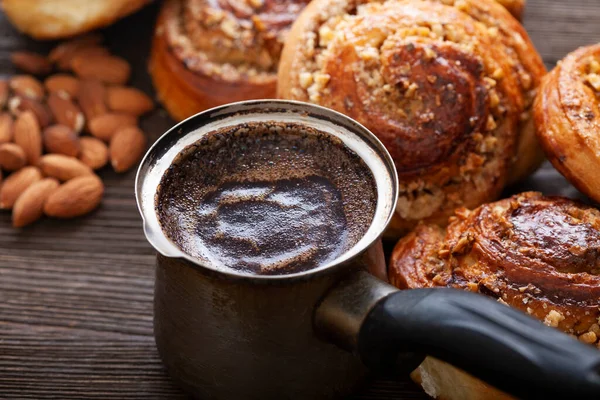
{"type": "Point", "coordinates": [567, 118]}
{"type": "Point", "coordinates": [209, 53]}
{"type": "Point", "coordinates": [445, 86]}
{"type": "Point", "coordinates": [515, 7]}
{"type": "Point", "coordinates": [55, 19]}
{"type": "Point", "coordinates": [537, 254]}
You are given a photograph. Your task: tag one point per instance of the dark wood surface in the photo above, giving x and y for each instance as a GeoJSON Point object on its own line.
{"type": "Point", "coordinates": [76, 296]}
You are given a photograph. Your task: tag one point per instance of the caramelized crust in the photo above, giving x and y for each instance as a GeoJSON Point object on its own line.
{"type": "Point", "coordinates": [208, 53]}
{"type": "Point", "coordinates": [538, 254]}
{"type": "Point", "coordinates": [567, 118]}
{"type": "Point", "coordinates": [445, 87]}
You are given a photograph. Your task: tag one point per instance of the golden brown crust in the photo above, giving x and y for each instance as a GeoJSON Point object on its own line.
{"type": "Point", "coordinates": [515, 7]}
{"type": "Point", "coordinates": [43, 19]}
{"type": "Point", "coordinates": [205, 54]}
{"type": "Point", "coordinates": [568, 121]}
{"type": "Point", "coordinates": [444, 86]}
{"type": "Point", "coordinates": [534, 253]}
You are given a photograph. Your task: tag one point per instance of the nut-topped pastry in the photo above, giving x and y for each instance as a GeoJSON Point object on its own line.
{"type": "Point", "coordinates": [208, 53]}
{"type": "Point", "coordinates": [538, 254]}
{"type": "Point", "coordinates": [446, 86]}
{"type": "Point", "coordinates": [567, 118]}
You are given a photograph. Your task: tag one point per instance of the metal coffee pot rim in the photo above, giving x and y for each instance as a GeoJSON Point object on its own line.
{"type": "Point", "coordinates": [358, 138]}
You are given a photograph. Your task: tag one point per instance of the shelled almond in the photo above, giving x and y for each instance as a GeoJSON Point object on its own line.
{"type": "Point", "coordinates": [57, 129]}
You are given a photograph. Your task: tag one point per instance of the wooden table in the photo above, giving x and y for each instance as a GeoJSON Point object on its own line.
{"type": "Point", "coordinates": [76, 296]}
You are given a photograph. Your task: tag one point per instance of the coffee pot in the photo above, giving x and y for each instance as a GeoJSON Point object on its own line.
{"type": "Point", "coordinates": [315, 334]}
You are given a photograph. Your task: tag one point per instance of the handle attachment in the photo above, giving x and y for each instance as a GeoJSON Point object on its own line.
{"type": "Point", "coordinates": [500, 345]}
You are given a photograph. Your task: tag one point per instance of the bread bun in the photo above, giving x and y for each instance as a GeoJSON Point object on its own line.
{"type": "Point", "coordinates": [206, 54]}
{"type": "Point", "coordinates": [567, 118]}
{"type": "Point", "coordinates": [534, 253]}
{"type": "Point", "coordinates": [446, 85]}
{"type": "Point", "coordinates": [56, 19]}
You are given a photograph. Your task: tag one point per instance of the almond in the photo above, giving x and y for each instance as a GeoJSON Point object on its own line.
{"type": "Point", "coordinates": [63, 167]}
{"type": "Point", "coordinates": [60, 139]}
{"type": "Point", "coordinates": [16, 184]}
{"type": "Point", "coordinates": [94, 153]}
{"type": "Point", "coordinates": [6, 127]}
{"type": "Point", "coordinates": [128, 100]}
{"type": "Point", "coordinates": [17, 105]}
{"type": "Point", "coordinates": [29, 206]}
{"type": "Point", "coordinates": [63, 54]}
{"type": "Point", "coordinates": [32, 63]}
{"type": "Point", "coordinates": [65, 111]}
{"type": "Point", "coordinates": [127, 147]}
{"type": "Point", "coordinates": [77, 197]}
{"type": "Point", "coordinates": [27, 135]}
{"type": "Point", "coordinates": [91, 98]}
{"type": "Point", "coordinates": [62, 83]}
{"type": "Point", "coordinates": [3, 93]}
{"type": "Point", "coordinates": [12, 157]}
{"type": "Point", "coordinates": [104, 126]}
{"type": "Point", "coordinates": [27, 86]}
{"type": "Point", "coordinates": [106, 68]}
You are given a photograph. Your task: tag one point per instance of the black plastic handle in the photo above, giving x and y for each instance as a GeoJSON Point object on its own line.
{"type": "Point", "coordinates": [500, 345]}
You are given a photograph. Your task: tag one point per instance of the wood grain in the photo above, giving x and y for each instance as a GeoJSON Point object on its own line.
{"type": "Point", "coordinates": [76, 296]}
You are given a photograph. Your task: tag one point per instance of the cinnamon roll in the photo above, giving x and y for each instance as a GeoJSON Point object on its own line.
{"type": "Point", "coordinates": [538, 254]}
{"type": "Point", "coordinates": [567, 118]}
{"type": "Point", "coordinates": [446, 86]}
{"type": "Point", "coordinates": [210, 52]}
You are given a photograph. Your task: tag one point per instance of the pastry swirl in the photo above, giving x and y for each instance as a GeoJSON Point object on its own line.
{"type": "Point", "coordinates": [445, 87]}
{"type": "Point", "coordinates": [211, 52]}
{"type": "Point", "coordinates": [538, 254]}
{"type": "Point", "coordinates": [567, 118]}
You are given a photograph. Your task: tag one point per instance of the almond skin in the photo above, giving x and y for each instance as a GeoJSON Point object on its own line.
{"type": "Point", "coordinates": [12, 157]}
{"type": "Point", "coordinates": [28, 136]}
{"type": "Point", "coordinates": [127, 147]}
{"type": "Point", "coordinates": [27, 86]}
{"type": "Point", "coordinates": [6, 127]}
{"type": "Point", "coordinates": [29, 206]}
{"type": "Point", "coordinates": [62, 83]}
{"type": "Point", "coordinates": [63, 54]}
{"type": "Point", "coordinates": [4, 91]}
{"type": "Point", "coordinates": [16, 184]}
{"type": "Point", "coordinates": [91, 98]}
{"type": "Point", "coordinates": [104, 126]}
{"type": "Point", "coordinates": [60, 139]}
{"type": "Point", "coordinates": [63, 167]}
{"type": "Point", "coordinates": [106, 68]}
{"type": "Point", "coordinates": [94, 153]}
{"type": "Point", "coordinates": [32, 63]}
{"type": "Point", "coordinates": [65, 111]}
{"type": "Point", "coordinates": [128, 100]}
{"type": "Point", "coordinates": [77, 197]}
{"type": "Point", "coordinates": [18, 104]}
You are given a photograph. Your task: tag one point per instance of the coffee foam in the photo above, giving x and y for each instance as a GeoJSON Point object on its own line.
{"type": "Point", "coordinates": [266, 198]}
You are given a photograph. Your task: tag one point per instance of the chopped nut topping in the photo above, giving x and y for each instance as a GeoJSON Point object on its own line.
{"type": "Point", "coordinates": [472, 286]}
{"type": "Point", "coordinates": [594, 81]}
{"type": "Point", "coordinates": [306, 79]}
{"type": "Point", "coordinates": [553, 318]}
{"type": "Point", "coordinates": [588, 337]}
{"type": "Point", "coordinates": [491, 123]}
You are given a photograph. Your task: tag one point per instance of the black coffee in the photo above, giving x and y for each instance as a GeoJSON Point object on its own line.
{"type": "Point", "coordinates": [267, 198]}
